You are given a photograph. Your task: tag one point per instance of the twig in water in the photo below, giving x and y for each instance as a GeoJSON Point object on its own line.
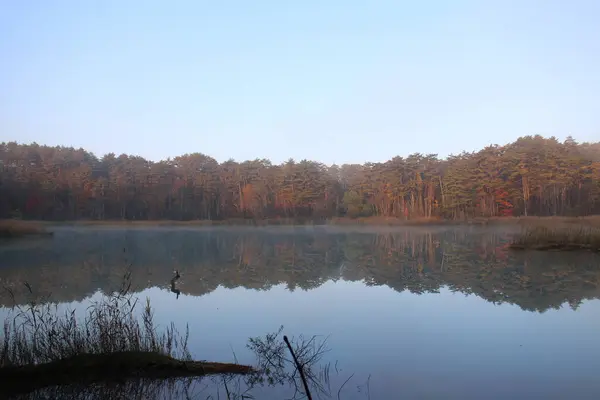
{"type": "Point", "coordinates": [299, 366]}
{"type": "Point", "coordinates": [226, 389]}
{"type": "Point", "coordinates": [344, 384]}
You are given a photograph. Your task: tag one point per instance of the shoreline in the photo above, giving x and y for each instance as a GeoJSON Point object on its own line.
{"type": "Point", "coordinates": [562, 238]}
{"type": "Point", "coordinates": [591, 220]}
{"type": "Point", "coordinates": [556, 247]}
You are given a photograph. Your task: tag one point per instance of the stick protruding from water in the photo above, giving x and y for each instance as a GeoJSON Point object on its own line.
{"type": "Point", "coordinates": [299, 366]}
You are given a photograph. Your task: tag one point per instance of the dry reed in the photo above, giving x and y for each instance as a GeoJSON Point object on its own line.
{"type": "Point", "coordinates": [558, 238]}
{"type": "Point", "coordinates": [11, 228]}
{"type": "Point", "coordinates": [36, 333]}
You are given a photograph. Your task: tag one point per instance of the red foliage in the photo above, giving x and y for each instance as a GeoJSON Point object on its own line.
{"type": "Point", "coordinates": [32, 202]}
{"type": "Point", "coordinates": [505, 207]}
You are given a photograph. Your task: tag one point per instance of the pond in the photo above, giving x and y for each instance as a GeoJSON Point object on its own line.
{"type": "Point", "coordinates": [422, 313]}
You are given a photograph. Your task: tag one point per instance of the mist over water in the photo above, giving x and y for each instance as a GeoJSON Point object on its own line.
{"type": "Point", "coordinates": [416, 313]}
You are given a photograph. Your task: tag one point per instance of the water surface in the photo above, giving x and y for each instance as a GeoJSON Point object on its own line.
{"type": "Point", "coordinates": [417, 313]}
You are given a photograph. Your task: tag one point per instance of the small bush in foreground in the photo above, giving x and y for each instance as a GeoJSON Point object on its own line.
{"type": "Point", "coordinates": [36, 333]}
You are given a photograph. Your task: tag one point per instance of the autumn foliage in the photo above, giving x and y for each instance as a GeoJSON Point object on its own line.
{"type": "Point", "coordinates": [534, 176]}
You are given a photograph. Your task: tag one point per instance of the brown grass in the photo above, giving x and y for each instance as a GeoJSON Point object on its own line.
{"type": "Point", "coordinates": [588, 221]}
{"type": "Point", "coordinates": [192, 223]}
{"type": "Point", "coordinates": [373, 221]}
{"type": "Point", "coordinates": [11, 228]}
{"type": "Point", "coordinates": [558, 238]}
{"type": "Point", "coordinates": [388, 221]}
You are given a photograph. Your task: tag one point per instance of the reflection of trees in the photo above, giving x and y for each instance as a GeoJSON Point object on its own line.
{"type": "Point", "coordinates": [477, 262]}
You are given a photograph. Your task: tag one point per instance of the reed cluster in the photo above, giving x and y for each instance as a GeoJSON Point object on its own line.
{"type": "Point", "coordinates": [559, 238]}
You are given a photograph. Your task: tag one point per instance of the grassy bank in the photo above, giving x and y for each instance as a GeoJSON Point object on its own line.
{"type": "Point", "coordinates": [341, 221]}
{"type": "Point", "coordinates": [593, 220]}
{"type": "Point", "coordinates": [41, 348]}
{"type": "Point", "coordinates": [10, 228]}
{"type": "Point", "coordinates": [558, 238]}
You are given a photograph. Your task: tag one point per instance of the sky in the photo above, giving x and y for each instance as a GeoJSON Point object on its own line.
{"type": "Point", "coordinates": [337, 81]}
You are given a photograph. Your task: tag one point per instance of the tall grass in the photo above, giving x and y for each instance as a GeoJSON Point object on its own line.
{"type": "Point", "coordinates": [37, 333]}
{"type": "Point", "coordinates": [559, 238]}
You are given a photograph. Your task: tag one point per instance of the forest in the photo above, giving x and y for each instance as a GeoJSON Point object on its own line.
{"type": "Point", "coordinates": [533, 176]}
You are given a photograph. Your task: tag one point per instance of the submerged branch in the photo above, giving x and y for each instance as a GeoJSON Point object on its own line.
{"type": "Point", "coordinates": [299, 366]}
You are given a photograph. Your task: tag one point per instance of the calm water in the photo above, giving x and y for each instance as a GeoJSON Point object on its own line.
{"type": "Point", "coordinates": [415, 313]}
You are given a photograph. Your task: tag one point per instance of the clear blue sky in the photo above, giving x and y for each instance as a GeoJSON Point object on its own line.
{"type": "Point", "coordinates": [335, 81]}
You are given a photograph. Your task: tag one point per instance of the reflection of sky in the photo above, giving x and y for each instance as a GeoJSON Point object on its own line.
{"type": "Point", "coordinates": [442, 345]}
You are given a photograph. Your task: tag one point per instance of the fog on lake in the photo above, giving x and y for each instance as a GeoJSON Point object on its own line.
{"type": "Point", "coordinates": [408, 313]}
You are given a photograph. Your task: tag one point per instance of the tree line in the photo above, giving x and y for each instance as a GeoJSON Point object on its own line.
{"type": "Point", "coordinates": [533, 176]}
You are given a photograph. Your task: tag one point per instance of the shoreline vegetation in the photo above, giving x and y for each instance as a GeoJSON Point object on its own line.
{"type": "Point", "coordinates": [558, 239]}
{"type": "Point", "coordinates": [11, 229]}
{"type": "Point", "coordinates": [41, 348]}
{"type": "Point", "coordinates": [32, 227]}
